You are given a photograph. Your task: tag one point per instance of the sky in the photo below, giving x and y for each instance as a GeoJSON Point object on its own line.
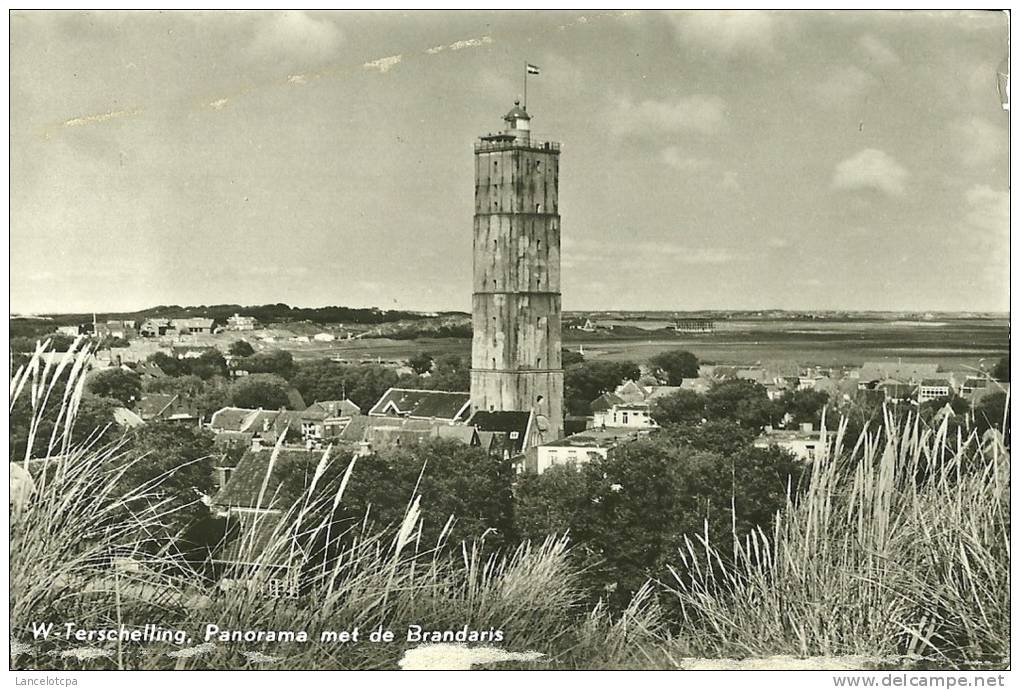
{"type": "Point", "coordinates": [710, 160]}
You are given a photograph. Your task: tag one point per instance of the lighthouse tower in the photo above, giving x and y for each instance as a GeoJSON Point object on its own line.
{"type": "Point", "coordinates": [515, 355]}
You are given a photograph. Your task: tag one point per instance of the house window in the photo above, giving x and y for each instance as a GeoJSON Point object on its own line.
{"type": "Point", "coordinates": [514, 435]}
{"type": "Point", "coordinates": [624, 417]}
{"type": "Point", "coordinates": [538, 208]}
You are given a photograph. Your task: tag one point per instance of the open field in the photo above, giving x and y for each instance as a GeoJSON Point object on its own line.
{"type": "Point", "coordinates": [955, 344]}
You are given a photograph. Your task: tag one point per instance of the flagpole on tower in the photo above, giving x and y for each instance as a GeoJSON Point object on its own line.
{"type": "Point", "coordinates": [525, 86]}
{"type": "Point", "coordinates": [528, 69]}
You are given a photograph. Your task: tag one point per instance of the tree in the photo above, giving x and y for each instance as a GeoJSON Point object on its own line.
{"type": "Point", "coordinates": [207, 365]}
{"type": "Point", "coordinates": [584, 382]}
{"type": "Point", "coordinates": [279, 362]}
{"type": "Point", "coordinates": [991, 413]}
{"type": "Point", "coordinates": [746, 402]}
{"type": "Point", "coordinates": [177, 462]}
{"type": "Point", "coordinates": [458, 481]}
{"type": "Point", "coordinates": [187, 386]}
{"type": "Point", "coordinates": [724, 436]}
{"type": "Point", "coordinates": [681, 407]}
{"type": "Point", "coordinates": [171, 366]}
{"type": "Point", "coordinates": [675, 366]}
{"type": "Point", "coordinates": [241, 348]}
{"type": "Point", "coordinates": [1001, 370]}
{"type": "Point", "coordinates": [569, 357]}
{"type": "Point", "coordinates": [116, 383]}
{"type": "Point", "coordinates": [215, 395]}
{"type": "Point", "coordinates": [452, 373]}
{"type": "Point", "coordinates": [366, 384]}
{"type": "Point", "coordinates": [804, 405]}
{"type": "Point", "coordinates": [324, 379]}
{"type": "Point", "coordinates": [320, 379]}
{"type": "Point", "coordinates": [549, 503]}
{"type": "Point", "coordinates": [629, 513]}
{"type": "Point", "coordinates": [93, 423]}
{"type": "Point", "coordinates": [421, 363]}
{"type": "Point", "coordinates": [259, 390]}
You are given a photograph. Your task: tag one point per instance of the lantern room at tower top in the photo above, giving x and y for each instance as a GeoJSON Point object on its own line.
{"type": "Point", "coordinates": [516, 135]}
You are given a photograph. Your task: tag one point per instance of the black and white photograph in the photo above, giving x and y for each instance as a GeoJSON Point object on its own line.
{"type": "Point", "coordinates": [514, 340]}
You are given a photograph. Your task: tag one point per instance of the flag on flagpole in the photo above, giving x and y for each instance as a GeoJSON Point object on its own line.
{"type": "Point", "coordinates": [532, 69]}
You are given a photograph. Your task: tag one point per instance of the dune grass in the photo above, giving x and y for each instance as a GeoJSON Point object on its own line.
{"type": "Point", "coordinates": [896, 547]}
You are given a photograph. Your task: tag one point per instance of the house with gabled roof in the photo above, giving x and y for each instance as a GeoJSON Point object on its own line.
{"type": "Point", "coordinates": [507, 433]}
{"type": "Point", "coordinates": [933, 389]}
{"type": "Point", "coordinates": [196, 325]}
{"type": "Point", "coordinates": [154, 328]}
{"type": "Point", "coordinates": [629, 406]}
{"type": "Point", "coordinates": [230, 419]}
{"type": "Point", "coordinates": [326, 419]}
{"type": "Point", "coordinates": [366, 435]}
{"type": "Point", "coordinates": [412, 403]}
{"type": "Point", "coordinates": [166, 407]}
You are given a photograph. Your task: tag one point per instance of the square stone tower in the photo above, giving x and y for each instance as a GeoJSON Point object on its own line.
{"type": "Point", "coordinates": [516, 352]}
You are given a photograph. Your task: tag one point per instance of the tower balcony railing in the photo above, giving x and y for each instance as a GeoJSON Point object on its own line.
{"type": "Point", "coordinates": [486, 145]}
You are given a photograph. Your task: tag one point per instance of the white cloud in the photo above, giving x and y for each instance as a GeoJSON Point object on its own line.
{"type": "Point", "coordinates": [728, 32]}
{"type": "Point", "coordinates": [981, 143]}
{"type": "Point", "coordinates": [461, 45]}
{"type": "Point", "coordinates": [674, 157]}
{"type": "Point", "coordinates": [296, 35]}
{"type": "Point", "coordinates": [777, 242]}
{"type": "Point", "coordinates": [219, 104]}
{"type": "Point", "coordinates": [877, 51]}
{"type": "Point", "coordinates": [696, 113]}
{"type": "Point", "coordinates": [385, 64]}
{"type": "Point", "coordinates": [470, 43]}
{"type": "Point", "coordinates": [871, 169]}
{"type": "Point", "coordinates": [102, 117]}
